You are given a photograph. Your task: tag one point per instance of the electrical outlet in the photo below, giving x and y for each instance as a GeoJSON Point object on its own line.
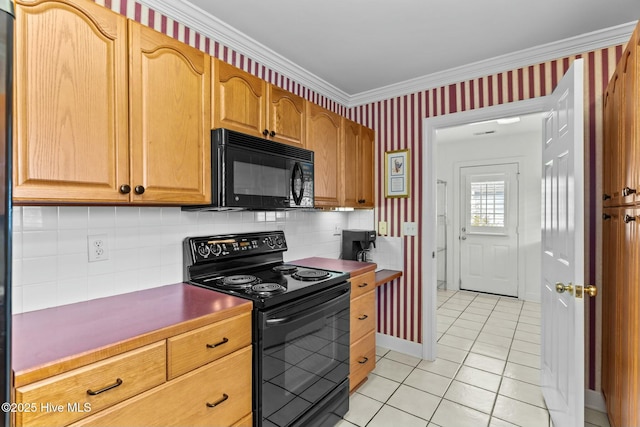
{"type": "Point", "coordinates": [382, 228]}
{"type": "Point", "coordinates": [410, 229]}
{"type": "Point", "coordinates": [337, 230]}
{"type": "Point", "coordinates": [98, 248]}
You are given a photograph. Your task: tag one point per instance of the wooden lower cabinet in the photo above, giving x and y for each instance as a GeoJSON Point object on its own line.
{"type": "Point", "coordinates": [201, 376]}
{"type": "Point", "coordinates": [621, 315]}
{"type": "Point", "coordinates": [217, 394]}
{"type": "Point", "coordinates": [130, 374]}
{"type": "Point", "coordinates": [362, 328]}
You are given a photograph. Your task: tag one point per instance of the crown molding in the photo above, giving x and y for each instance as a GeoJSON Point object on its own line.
{"type": "Point", "coordinates": [572, 46]}
{"type": "Point", "coordinates": [212, 27]}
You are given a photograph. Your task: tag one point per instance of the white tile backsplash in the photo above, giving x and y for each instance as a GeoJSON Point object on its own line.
{"type": "Point", "coordinates": [50, 253]}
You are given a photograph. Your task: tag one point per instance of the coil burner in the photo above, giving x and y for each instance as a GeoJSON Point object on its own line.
{"type": "Point", "coordinates": [310, 275]}
{"type": "Point", "coordinates": [267, 289]}
{"type": "Point", "coordinates": [239, 281]}
{"type": "Point", "coordinates": [285, 268]}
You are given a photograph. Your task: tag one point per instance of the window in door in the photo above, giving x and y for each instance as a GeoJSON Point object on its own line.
{"type": "Point", "coordinates": [486, 203]}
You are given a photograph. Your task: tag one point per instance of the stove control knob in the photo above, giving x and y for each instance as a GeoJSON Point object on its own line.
{"type": "Point", "coordinates": [279, 241]}
{"type": "Point", "coordinates": [216, 249]}
{"type": "Point", "coordinates": [204, 251]}
{"type": "Point", "coordinates": [269, 242]}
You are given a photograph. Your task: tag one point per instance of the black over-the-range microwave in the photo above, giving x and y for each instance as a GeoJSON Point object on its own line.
{"type": "Point", "coordinates": [248, 172]}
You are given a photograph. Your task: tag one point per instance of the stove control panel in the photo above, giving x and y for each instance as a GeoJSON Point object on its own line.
{"type": "Point", "coordinates": [208, 248]}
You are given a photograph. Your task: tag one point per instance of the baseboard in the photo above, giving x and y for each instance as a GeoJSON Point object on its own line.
{"type": "Point", "coordinates": [398, 344]}
{"type": "Point", "coordinates": [594, 400]}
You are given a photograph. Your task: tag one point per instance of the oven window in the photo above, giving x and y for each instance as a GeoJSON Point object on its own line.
{"type": "Point", "coordinates": [303, 361]}
{"type": "Point", "coordinates": [259, 180]}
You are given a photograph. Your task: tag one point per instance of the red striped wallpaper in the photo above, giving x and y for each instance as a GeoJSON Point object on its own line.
{"type": "Point", "coordinates": [398, 125]}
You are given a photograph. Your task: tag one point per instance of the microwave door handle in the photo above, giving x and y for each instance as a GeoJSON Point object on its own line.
{"type": "Point", "coordinates": [297, 170]}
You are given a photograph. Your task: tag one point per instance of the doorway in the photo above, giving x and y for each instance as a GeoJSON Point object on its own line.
{"type": "Point", "coordinates": [438, 152]}
{"type": "Point", "coordinates": [488, 228]}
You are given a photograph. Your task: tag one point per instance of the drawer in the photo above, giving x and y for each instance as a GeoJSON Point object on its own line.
{"type": "Point", "coordinates": [113, 380]}
{"type": "Point", "coordinates": [363, 315]}
{"type": "Point", "coordinates": [217, 394]}
{"type": "Point", "coordinates": [362, 284]}
{"type": "Point", "coordinates": [196, 348]}
{"type": "Point", "coordinates": [362, 359]}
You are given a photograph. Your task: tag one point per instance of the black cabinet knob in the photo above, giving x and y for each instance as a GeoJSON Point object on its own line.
{"type": "Point", "coordinates": [125, 189]}
{"type": "Point", "coordinates": [606, 197]}
{"type": "Point", "coordinates": [629, 218]}
{"type": "Point", "coordinates": [606, 216]}
{"type": "Point", "coordinates": [626, 191]}
{"type": "Point", "coordinates": [139, 189]}
{"type": "Point", "coordinates": [265, 132]}
{"type": "Point", "coordinates": [272, 133]}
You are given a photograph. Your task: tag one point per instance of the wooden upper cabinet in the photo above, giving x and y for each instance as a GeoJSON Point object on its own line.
{"type": "Point", "coordinates": [357, 171]}
{"type": "Point", "coordinates": [93, 126]}
{"type": "Point", "coordinates": [169, 89]}
{"type": "Point", "coordinates": [629, 116]}
{"type": "Point", "coordinates": [248, 104]}
{"type": "Point", "coordinates": [286, 117]}
{"type": "Point", "coordinates": [366, 171]}
{"type": "Point", "coordinates": [239, 100]}
{"type": "Point", "coordinates": [70, 102]}
{"type": "Point", "coordinates": [323, 137]}
{"type": "Point", "coordinates": [350, 144]}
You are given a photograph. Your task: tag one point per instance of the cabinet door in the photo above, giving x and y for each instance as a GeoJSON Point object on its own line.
{"type": "Point", "coordinates": [170, 119]}
{"type": "Point", "coordinates": [323, 138]}
{"type": "Point", "coordinates": [628, 113]}
{"type": "Point", "coordinates": [71, 118]}
{"type": "Point", "coordinates": [366, 174]}
{"type": "Point", "coordinates": [286, 117]}
{"type": "Point", "coordinates": [610, 134]}
{"type": "Point", "coordinates": [350, 167]}
{"type": "Point", "coordinates": [239, 100]}
{"type": "Point", "coordinates": [611, 357]}
{"type": "Point", "coordinates": [628, 326]}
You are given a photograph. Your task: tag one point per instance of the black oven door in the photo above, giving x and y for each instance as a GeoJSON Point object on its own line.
{"type": "Point", "coordinates": [302, 360]}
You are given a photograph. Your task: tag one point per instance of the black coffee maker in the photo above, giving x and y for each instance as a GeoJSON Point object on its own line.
{"type": "Point", "coordinates": [357, 243]}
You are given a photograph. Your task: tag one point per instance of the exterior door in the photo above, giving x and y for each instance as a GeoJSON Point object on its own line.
{"type": "Point", "coordinates": [563, 252]}
{"type": "Point", "coordinates": [489, 228]}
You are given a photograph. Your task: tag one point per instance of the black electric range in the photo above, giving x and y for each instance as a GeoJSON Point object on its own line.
{"type": "Point", "coordinates": [301, 321]}
{"type": "Point", "coordinates": [251, 266]}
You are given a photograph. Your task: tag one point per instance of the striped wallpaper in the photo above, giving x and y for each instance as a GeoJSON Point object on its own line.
{"type": "Point", "coordinates": [398, 125]}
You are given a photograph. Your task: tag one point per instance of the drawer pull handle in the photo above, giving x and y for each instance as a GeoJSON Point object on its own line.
{"type": "Point", "coordinates": [364, 316]}
{"type": "Point", "coordinates": [225, 396]}
{"type": "Point", "coordinates": [363, 285]}
{"type": "Point", "coordinates": [363, 360]}
{"type": "Point", "coordinates": [102, 390]}
{"type": "Point", "coordinates": [224, 341]}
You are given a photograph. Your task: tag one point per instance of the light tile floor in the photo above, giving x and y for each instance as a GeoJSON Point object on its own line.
{"type": "Point", "coordinates": [486, 374]}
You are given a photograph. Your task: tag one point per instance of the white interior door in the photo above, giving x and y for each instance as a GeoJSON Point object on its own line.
{"type": "Point", "coordinates": [489, 228]}
{"type": "Point", "coordinates": [563, 252]}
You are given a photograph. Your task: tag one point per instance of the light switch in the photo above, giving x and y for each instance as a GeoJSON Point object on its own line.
{"type": "Point", "coordinates": [382, 228]}
{"type": "Point", "coordinates": [410, 229]}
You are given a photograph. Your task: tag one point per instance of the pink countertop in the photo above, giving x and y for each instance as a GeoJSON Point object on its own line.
{"type": "Point", "coordinates": [354, 268]}
{"type": "Point", "coordinates": [57, 339]}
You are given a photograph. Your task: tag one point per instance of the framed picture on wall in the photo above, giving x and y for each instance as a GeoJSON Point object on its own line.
{"type": "Point", "coordinates": [396, 173]}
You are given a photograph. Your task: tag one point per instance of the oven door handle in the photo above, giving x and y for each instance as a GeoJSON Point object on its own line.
{"type": "Point", "coordinates": [305, 313]}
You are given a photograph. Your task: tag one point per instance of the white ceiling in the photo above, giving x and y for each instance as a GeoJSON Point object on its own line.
{"type": "Point", "coordinates": [490, 129]}
{"type": "Point", "coordinates": [349, 48]}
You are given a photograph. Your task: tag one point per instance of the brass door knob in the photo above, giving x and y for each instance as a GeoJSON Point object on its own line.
{"type": "Point", "coordinates": [561, 288]}
{"type": "Point", "coordinates": [591, 290]}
